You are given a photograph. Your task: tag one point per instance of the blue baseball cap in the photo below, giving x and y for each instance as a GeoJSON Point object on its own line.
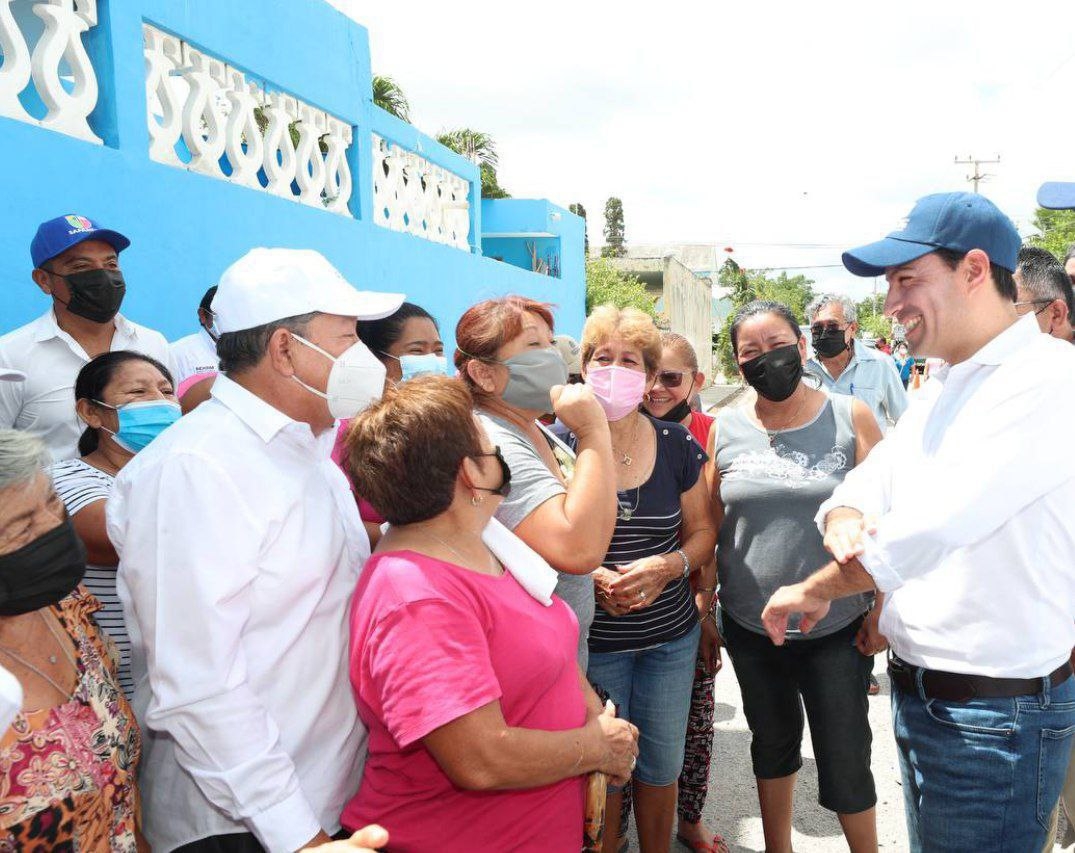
{"type": "Point", "coordinates": [60, 234]}
{"type": "Point", "coordinates": [956, 221]}
{"type": "Point", "coordinates": [1057, 195]}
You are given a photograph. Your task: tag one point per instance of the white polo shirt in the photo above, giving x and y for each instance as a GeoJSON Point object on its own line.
{"type": "Point", "coordinates": [44, 404]}
{"type": "Point", "coordinates": [192, 355]}
{"type": "Point", "coordinates": [973, 491]}
{"type": "Point", "coordinates": [240, 547]}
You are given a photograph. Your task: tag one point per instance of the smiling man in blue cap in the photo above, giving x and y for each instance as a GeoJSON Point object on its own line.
{"type": "Point", "coordinates": [76, 264]}
{"type": "Point", "coordinates": [962, 516]}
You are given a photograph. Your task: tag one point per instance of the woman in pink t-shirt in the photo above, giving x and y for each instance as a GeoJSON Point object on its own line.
{"type": "Point", "coordinates": [481, 725]}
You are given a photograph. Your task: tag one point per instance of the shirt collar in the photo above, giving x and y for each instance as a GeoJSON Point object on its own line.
{"type": "Point", "coordinates": [265, 420]}
{"type": "Point", "coordinates": [48, 327]}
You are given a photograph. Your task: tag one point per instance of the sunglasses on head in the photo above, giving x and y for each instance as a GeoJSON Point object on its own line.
{"type": "Point", "coordinates": [672, 378]}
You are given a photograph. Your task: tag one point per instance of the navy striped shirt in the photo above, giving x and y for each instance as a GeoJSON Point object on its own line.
{"type": "Point", "coordinates": [79, 485]}
{"type": "Point", "coordinates": [652, 528]}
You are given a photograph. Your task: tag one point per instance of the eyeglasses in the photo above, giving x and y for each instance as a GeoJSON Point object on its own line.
{"type": "Point", "coordinates": [672, 378]}
{"type": "Point", "coordinates": [1044, 303]}
{"type": "Point", "coordinates": [818, 328]}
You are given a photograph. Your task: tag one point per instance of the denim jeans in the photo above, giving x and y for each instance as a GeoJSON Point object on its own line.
{"type": "Point", "coordinates": [984, 774]}
{"type": "Point", "coordinates": [652, 689]}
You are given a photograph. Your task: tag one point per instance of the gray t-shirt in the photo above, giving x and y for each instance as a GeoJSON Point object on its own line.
{"type": "Point", "coordinates": [771, 495]}
{"type": "Point", "coordinates": [532, 483]}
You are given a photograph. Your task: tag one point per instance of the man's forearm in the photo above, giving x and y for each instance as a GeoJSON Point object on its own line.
{"type": "Point", "coordinates": [839, 581]}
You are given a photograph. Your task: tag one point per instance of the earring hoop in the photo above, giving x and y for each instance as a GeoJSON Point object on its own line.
{"type": "Point", "coordinates": [475, 500]}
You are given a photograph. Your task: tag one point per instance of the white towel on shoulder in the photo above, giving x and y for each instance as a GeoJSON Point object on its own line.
{"type": "Point", "coordinates": [527, 566]}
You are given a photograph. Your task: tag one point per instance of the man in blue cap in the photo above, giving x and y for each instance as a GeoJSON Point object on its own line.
{"type": "Point", "coordinates": [76, 264]}
{"type": "Point", "coordinates": [962, 517]}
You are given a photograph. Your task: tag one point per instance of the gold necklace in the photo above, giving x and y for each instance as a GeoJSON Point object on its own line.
{"type": "Point", "coordinates": [772, 433]}
{"type": "Point", "coordinates": [625, 458]}
{"type": "Point", "coordinates": [498, 569]}
{"type": "Point", "coordinates": [52, 659]}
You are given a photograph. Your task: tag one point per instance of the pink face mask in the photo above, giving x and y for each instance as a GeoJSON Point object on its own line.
{"type": "Point", "coordinates": [619, 390]}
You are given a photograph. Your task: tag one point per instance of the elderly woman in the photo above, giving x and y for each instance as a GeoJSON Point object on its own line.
{"type": "Point", "coordinates": [68, 761]}
{"type": "Point", "coordinates": [562, 502]}
{"type": "Point", "coordinates": [481, 725]}
{"type": "Point", "coordinates": [645, 635]}
{"type": "Point", "coordinates": [126, 399]}
{"type": "Point", "coordinates": [774, 463]}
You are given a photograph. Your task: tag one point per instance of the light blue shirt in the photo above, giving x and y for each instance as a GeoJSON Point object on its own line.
{"type": "Point", "coordinates": [872, 377]}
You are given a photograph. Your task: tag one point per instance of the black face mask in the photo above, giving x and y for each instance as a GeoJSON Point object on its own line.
{"type": "Point", "coordinates": [95, 294]}
{"type": "Point", "coordinates": [829, 343]}
{"type": "Point", "coordinates": [504, 489]}
{"type": "Point", "coordinates": [678, 412]}
{"type": "Point", "coordinates": [41, 573]}
{"type": "Point", "coordinates": [775, 374]}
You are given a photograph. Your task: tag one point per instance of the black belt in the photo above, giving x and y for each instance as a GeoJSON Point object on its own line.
{"type": "Point", "coordinates": [962, 687]}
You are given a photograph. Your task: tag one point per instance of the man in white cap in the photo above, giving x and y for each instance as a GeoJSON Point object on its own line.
{"type": "Point", "coordinates": [240, 546]}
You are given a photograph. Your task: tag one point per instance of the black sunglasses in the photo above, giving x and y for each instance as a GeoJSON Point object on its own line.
{"type": "Point", "coordinates": [671, 378]}
{"type": "Point", "coordinates": [505, 472]}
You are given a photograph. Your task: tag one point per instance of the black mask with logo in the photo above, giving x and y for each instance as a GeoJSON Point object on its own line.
{"type": "Point", "coordinates": [829, 343]}
{"type": "Point", "coordinates": [95, 294]}
{"type": "Point", "coordinates": [43, 572]}
{"type": "Point", "coordinates": [776, 374]}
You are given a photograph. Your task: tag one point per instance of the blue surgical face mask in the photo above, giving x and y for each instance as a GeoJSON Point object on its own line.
{"type": "Point", "coordinates": [421, 365]}
{"type": "Point", "coordinates": [141, 421]}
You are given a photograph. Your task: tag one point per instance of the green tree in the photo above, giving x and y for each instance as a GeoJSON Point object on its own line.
{"type": "Point", "coordinates": [480, 149]}
{"type": "Point", "coordinates": [389, 97]}
{"type": "Point", "coordinates": [1056, 231]}
{"type": "Point", "coordinates": [579, 210]}
{"type": "Point", "coordinates": [607, 285]}
{"type": "Point", "coordinates": [745, 286]}
{"type": "Point", "coordinates": [615, 236]}
{"type": "Point", "coordinates": [871, 317]}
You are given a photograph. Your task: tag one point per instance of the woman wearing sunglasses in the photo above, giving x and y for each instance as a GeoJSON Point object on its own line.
{"type": "Point", "coordinates": [678, 380]}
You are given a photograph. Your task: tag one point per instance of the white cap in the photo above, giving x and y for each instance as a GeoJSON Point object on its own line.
{"type": "Point", "coordinates": [10, 374]}
{"type": "Point", "coordinates": [270, 284]}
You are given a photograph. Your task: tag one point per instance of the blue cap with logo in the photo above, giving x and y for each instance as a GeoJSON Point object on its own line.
{"type": "Point", "coordinates": [60, 234]}
{"type": "Point", "coordinates": [956, 221]}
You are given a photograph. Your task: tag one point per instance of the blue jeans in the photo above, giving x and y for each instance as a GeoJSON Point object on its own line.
{"type": "Point", "coordinates": [652, 689]}
{"type": "Point", "coordinates": [985, 774]}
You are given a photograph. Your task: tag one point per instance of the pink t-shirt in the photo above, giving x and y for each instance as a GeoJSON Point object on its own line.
{"type": "Point", "coordinates": [431, 642]}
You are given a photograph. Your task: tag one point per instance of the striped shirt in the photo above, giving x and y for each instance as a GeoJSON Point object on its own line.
{"type": "Point", "coordinates": [79, 485]}
{"type": "Point", "coordinates": [647, 525]}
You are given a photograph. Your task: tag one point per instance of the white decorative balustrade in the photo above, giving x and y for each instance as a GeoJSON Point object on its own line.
{"type": "Point", "coordinates": [414, 195]}
{"type": "Point", "coordinates": [63, 77]}
{"type": "Point", "coordinates": [235, 130]}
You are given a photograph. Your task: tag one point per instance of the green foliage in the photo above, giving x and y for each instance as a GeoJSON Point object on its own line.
{"type": "Point", "coordinates": [871, 318]}
{"type": "Point", "coordinates": [1056, 231]}
{"type": "Point", "coordinates": [579, 210]}
{"type": "Point", "coordinates": [615, 235]}
{"type": "Point", "coordinates": [480, 149]}
{"type": "Point", "coordinates": [745, 286]}
{"type": "Point", "coordinates": [389, 97]}
{"type": "Point", "coordinates": [605, 284]}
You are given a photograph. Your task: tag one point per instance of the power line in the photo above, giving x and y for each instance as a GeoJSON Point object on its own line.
{"type": "Point", "coordinates": [978, 176]}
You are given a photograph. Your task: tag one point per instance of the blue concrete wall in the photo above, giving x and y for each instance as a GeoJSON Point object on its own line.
{"type": "Point", "coordinates": [186, 228]}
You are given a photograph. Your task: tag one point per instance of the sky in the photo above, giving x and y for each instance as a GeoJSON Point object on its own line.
{"type": "Point", "coordinates": [787, 131]}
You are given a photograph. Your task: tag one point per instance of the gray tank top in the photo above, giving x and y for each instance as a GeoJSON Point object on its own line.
{"type": "Point", "coordinates": [771, 495]}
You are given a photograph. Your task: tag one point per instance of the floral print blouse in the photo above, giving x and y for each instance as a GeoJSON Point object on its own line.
{"type": "Point", "coordinates": [67, 773]}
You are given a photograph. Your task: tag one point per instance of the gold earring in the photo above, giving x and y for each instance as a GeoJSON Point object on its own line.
{"type": "Point", "coordinates": [475, 500]}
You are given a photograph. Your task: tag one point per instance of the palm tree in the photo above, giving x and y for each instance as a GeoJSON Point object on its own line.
{"type": "Point", "coordinates": [480, 149]}
{"type": "Point", "coordinates": [389, 97]}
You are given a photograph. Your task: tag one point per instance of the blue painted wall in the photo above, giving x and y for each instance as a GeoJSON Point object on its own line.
{"type": "Point", "coordinates": [186, 228]}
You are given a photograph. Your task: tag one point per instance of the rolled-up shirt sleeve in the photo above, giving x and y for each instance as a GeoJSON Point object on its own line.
{"type": "Point", "coordinates": [188, 576]}
{"type": "Point", "coordinates": [963, 494]}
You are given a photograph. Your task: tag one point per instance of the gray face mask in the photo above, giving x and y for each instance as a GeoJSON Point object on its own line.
{"type": "Point", "coordinates": [531, 375]}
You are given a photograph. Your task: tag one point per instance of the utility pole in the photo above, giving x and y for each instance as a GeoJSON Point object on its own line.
{"type": "Point", "coordinates": [978, 176]}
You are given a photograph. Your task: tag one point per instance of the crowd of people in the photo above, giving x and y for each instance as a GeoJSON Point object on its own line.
{"type": "Point", "coordinates": [296, 581]}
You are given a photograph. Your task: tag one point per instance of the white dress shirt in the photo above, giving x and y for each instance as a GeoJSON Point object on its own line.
{"type": "Point", "coordinates": [45, 403]}
{"type": "Point", "coordinates": [193, 354]}
{"type": "Point", "coordinates": [974, 491]}
{"type": "Point", "coordinates": [871, 375]}
{"type": "Point", "coordinates": [240, 546]}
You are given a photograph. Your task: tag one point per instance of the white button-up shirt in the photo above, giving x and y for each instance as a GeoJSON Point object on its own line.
{"type": "Point", "coordinates": [193, 354]}
{"type": "Point", "coordinates": [871, 376]}
{"type": "Point", "coordinates": [45, 403]}
{"type": "Point", "coordinates": [974, 491]}
{"type": "Point", "coordinates": [240, 546]}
